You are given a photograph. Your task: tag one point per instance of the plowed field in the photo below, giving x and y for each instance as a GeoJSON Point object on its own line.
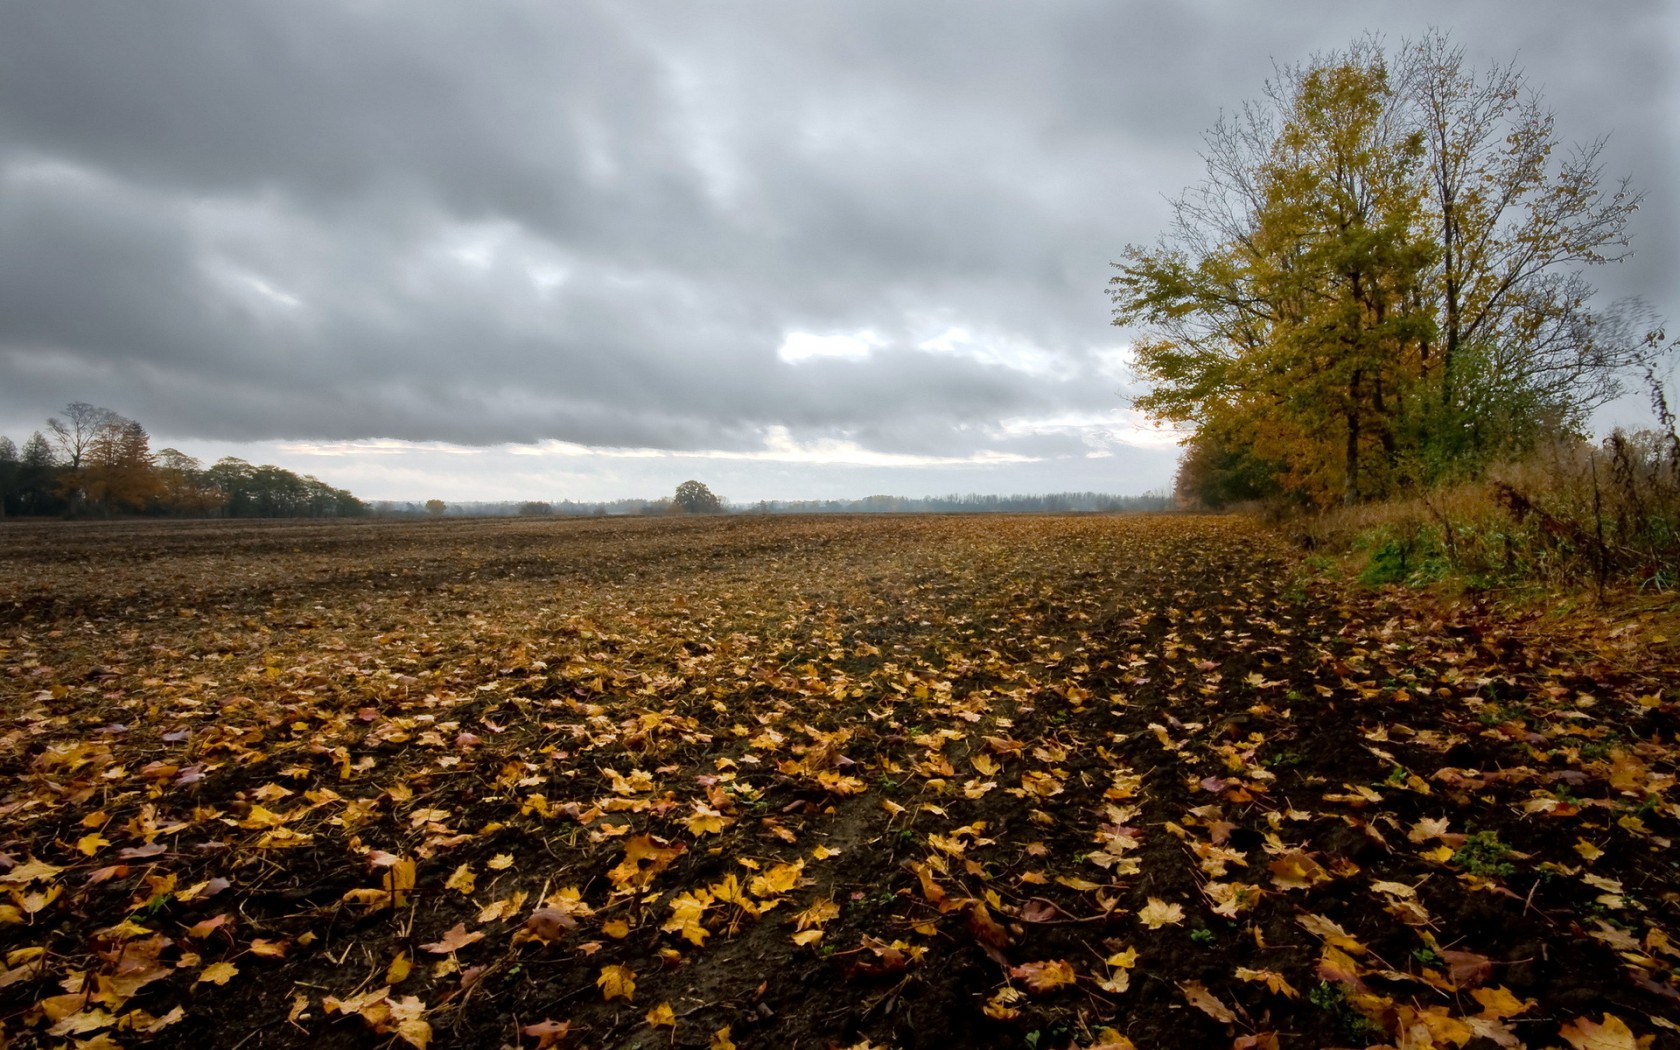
{"type": "Point", "coordinates": [811, 782]}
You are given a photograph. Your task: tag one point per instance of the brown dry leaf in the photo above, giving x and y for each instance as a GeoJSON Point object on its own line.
{"type": "Point", "coordinates": [547, 1033]}
{"type": "Point", "coordinates": [1197, 995]}
{"type": "Point", "coordinates": [549, 924]}
{"type": "Point", "coordinates": [31, 870]}
{"type": "Point", "coordinates": [1270, 978]}
{"type": "Point", "coordinates": [1468, 969]}
{"type": "Point", "coordinates": [1338, 967]}
{"type": "Point", "coordinates": [1044, 976]}
{"type": "Point", "coordinates": [454, 939]}
{"type": "Point", "coordinates": [1330, 933]}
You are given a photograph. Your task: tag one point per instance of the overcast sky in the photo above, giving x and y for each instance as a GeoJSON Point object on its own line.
{"type": "Point", "coordinates": [514, 250]}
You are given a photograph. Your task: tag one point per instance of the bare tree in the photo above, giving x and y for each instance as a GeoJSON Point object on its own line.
{"type": "Point", "coordinates": [81, 426]}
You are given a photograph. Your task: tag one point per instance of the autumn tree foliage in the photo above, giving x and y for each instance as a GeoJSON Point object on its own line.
{"type": "Point", "coordinates": [1381, 280]}
{"type": "Point", "coordinates": [99, 463]}
{"type": "Point", "coordinates": [693, 497]}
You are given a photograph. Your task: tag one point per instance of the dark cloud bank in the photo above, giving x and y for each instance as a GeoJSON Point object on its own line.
{"type": "Point", "coordinates": [599, 223]}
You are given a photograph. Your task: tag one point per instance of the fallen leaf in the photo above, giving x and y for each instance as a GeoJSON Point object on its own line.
{"type": "Point", "coordinates": [662, 1017]}
{"type": "Point", "coordinates": [462, 881]}
{"type": "Point", "coordinates": [1158, 913]}
{"type": "Point", "coordinates": [454, 939]}
{"type": "Point", "coordinates": [1611, 1034]}
{"type": "Point", "coordinates": [1270, 978]}
{"type": "Point", "coordinates": [1044, 976]}
{"type": "Point", "coordinates": [1197, 995]}
{"type": "Point", "coordinates": [547, 1033]}
{"type": "Point", "coordinates": [616, 982]}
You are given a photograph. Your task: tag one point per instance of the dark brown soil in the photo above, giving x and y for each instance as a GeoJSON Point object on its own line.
{"type": "Point", "coordinates": [985, 744]}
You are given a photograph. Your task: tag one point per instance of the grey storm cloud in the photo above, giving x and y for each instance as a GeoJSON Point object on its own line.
{"type": "Point", "coordinates": [598, 222]}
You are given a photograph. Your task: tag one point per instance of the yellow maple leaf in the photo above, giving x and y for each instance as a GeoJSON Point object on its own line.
{"type": "Point", "coordinates": [662, 1017]}
{"type": "Point", "coordinates": [644, 858]}
{"type": "Point", "coordinates": [462, 881]}
{"type": "Point", "coordinates": [616, 982]}
{"type": "Point", "coordinates": [778, 880]}
{"type": "Point", "coordinates": [217, 973]}
{"type": "Point", "coordinates": [705, 820]}
{"type": "Point", "coordinates": [1498, 1003]}
{"type": "Point", "coordinates": [820, 911]}
{"type": "Point", "coordinates": [91, 843]}
{"type": "Point", "coordinates": [401, 964]}
{"type": "Point", "coordinates": [398, 881]}
{"type": "Point", "coordinates": [687, 910]}
{"type": "Point", "coordinates": [721, 1040]}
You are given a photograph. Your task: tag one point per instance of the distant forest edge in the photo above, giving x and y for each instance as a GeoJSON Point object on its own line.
{"type": "Point", "coordinates": [94, 463]}
{"type": "Point", "coordinates": [1052, 503]}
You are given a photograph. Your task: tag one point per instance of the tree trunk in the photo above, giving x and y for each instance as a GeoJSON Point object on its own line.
{"type": "Point", "coordinates": [1350, 493]}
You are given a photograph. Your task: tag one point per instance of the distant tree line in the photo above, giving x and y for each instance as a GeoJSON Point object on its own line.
{"type": "Point", "coordinates": [1052, 503]}
{"type": "Point", "coordinates": [973, 503]}
{"type": "Point", "coordinates": [93, 462]}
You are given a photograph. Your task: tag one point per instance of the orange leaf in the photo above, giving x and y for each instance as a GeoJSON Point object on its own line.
{"type": "Point", "coordinates": [1044, 976]}
{"type": "Point", "coordinates": [1612, 1034]}
{"type": "Point", "coordinates": [455, 939]}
